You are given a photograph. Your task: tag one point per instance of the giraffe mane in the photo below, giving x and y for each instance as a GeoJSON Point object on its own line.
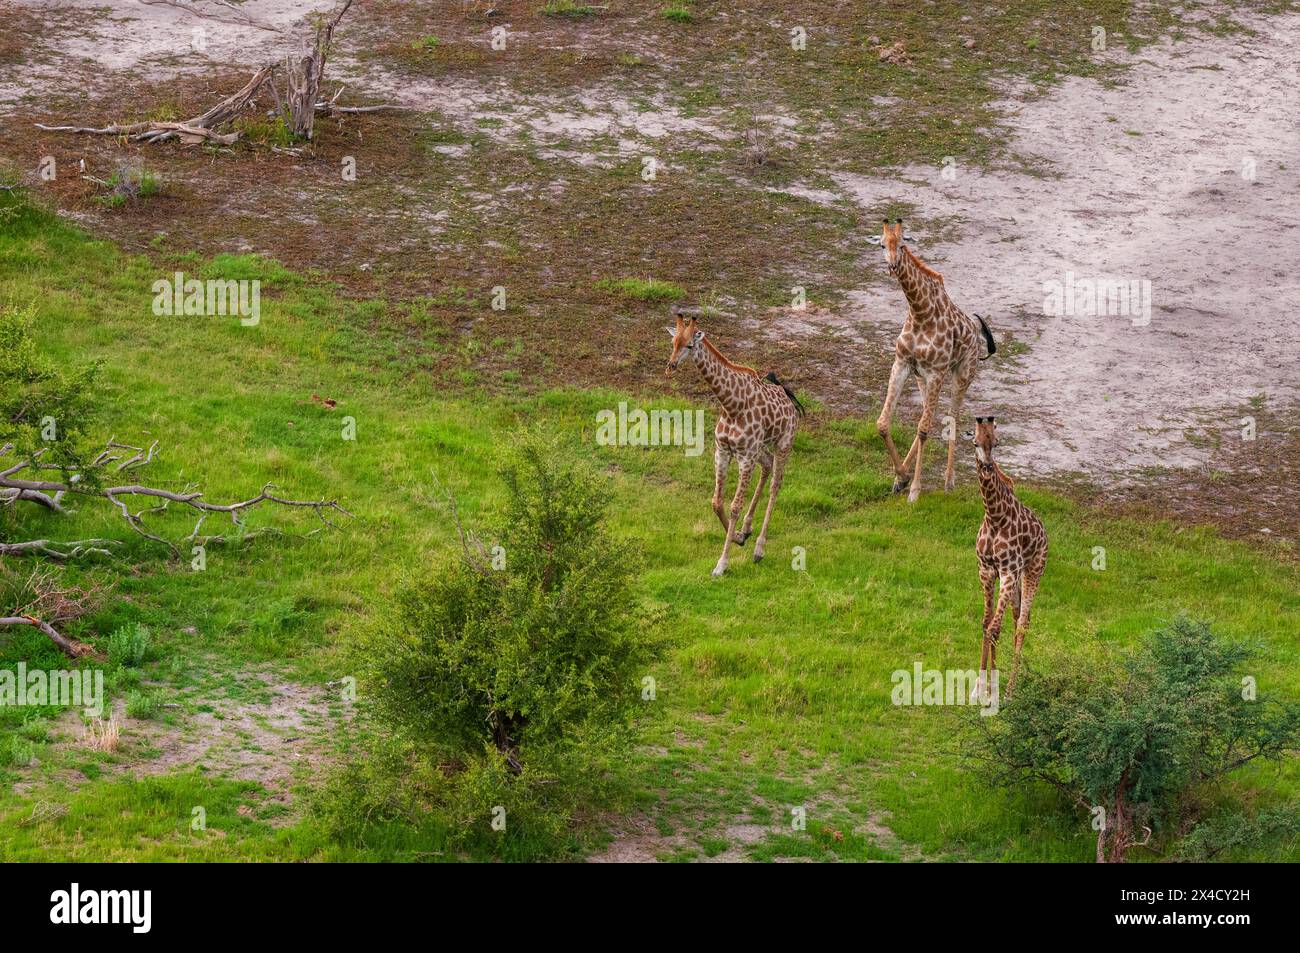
{"type": "Point", "coordinates": [924, 268]}
{"type": "Point", "coordinates": [1006, 479]}
{"type": "Point", "coordinates": [730, 364]}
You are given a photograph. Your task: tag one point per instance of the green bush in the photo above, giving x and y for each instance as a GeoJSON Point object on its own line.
{"type": "Point", "coordinates": [518, 669]}
{"type": "Point", "coordinates": [1136, 742]}
{"type": "Point", "coordinates": [43, 407]}
{"type": "Point", "coordinates": [128, 645]}
{"type": "Point", "coordinates": [17, 752]}
{"type": "Point", "coordinates": [140, 704]}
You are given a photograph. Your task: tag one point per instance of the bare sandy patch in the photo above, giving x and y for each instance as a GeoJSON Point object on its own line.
{"type": "Point", "coordinates": [1185, 177]}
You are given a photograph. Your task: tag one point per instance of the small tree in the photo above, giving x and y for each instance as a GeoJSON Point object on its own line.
{"type": "Point", "coordinates": [531, 648]}
{"type": "Point", "coordinates": [1131, 743]}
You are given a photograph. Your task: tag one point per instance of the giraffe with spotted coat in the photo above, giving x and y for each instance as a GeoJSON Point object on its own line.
{"type": "Point", "coordinates": [1012, 551]}
{"type": "Point", "coordinates": [756, 427]}
{"type": "Point", "coordinates": [939, 342]}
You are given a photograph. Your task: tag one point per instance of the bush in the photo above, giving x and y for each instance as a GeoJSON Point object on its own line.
{"type": "Point", "coordinates": [1134, 742]}
{"type": "Point", "coordinates": [128, 645]}
{"type": "Point", "coordinates": [518, 669]}
{"type": "Point", "coordinates": [141, 705]}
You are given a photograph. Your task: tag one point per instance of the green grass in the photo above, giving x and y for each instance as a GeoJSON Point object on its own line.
{"type": "Point", "coordinates": [642, 289]}
{"type": "Point", "coordinates": [568, 8]}
{"type": "Point", "coordinates": [678, 13]}
{"type": "Point", "coordinates": [775, 696]}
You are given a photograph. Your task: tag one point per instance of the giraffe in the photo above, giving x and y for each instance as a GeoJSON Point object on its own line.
{"type": "Point", "coordinates": [756, 426]}
{"type": "Point", "coordinates": [938, 340]}
{"type": "Point", "coordinates": [1012, 550]}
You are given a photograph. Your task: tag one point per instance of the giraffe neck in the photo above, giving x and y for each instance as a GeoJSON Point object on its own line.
{"type": "Point", "coordinates": [729, 382]}
{"type": "Point", "coordinates": [921, 287]}
{"type": "Point", "coordinates": [996, 490]}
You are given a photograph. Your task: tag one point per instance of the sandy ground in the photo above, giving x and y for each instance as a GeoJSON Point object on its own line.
{"type": "Point", "coordinates": [1187, 177]}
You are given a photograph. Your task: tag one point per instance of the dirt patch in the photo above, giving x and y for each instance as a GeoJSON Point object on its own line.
{"type": "Point", "coordinates": [1182, 177]}
{"type": "Point", "coordinates": [636, 840]}
{"type": "Point", "coordinates": [253, 726]}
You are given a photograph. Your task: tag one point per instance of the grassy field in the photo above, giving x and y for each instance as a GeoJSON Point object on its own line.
{"type": "Point", "coordinates": [775, 695]}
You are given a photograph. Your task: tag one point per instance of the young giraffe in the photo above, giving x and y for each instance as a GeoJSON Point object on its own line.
{"type": "Point", "coordinates": [937, 340]}
{"type": "Point", "coordinates": [756, 426]}
{"type": "Point", "coordinates": [1012, 550]}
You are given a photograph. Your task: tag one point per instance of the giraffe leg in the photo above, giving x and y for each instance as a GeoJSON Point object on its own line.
{"type": "Point", "coordinates": [721, 461]}
{"type": "Point", "coordinates": [904, 478]}
{"type": "Point", "coordinates": [988, 581]}
{"type": "Point", "coordinates": [959, 388]}
{"type": "Point", "coordinates": [765, 468]}
{"type": "Point", "coordinates": [897, 378]}
{"type": "Point", "coordinates": [778, 474]}
{"type": "Point", "coordinates": [931, 390]}
{"type": "Point", "coordinates": [1006, 582]}
{"type": "Point", "coordinates": [1029, 588]}
{"type": "Point", "coordinates": [746, 471]}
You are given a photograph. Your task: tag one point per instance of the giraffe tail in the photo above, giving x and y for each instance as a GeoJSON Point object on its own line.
{"type": "Point", "coordinates": [771, 376]}
{"type": "Point", "coordinates": [988, 339]}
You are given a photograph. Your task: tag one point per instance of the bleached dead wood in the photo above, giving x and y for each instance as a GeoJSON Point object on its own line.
{"type": "Point", "coordinates": [299, 105]}
{"type": "Point", "coordinates": [22, 482]}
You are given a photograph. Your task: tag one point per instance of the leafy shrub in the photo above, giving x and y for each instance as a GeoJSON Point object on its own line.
{"type": "Point", "coordinates": [518, 670]}
{"type": "Point", "coordinates": [141, 704]}
{"type": "Point", "coordinates": [34, 391]}
{"type": "Point", "coordinates": [128, 645]}
{"type": "Point", "coordinates": [1134, 742]}
{"type": "Point", "coordinates": [17, 752]}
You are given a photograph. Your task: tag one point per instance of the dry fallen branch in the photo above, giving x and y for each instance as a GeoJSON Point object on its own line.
{"type": "Point", "coordinates": [70, 647]}
{"type": "Point", "coordinates": [46, 604]}
{"type": "Point", "coordinates": [300, 104]}
{"type": "Point", "coordinates": [200, 128]}
{"type": "Point", "coordinates": [91, 485]}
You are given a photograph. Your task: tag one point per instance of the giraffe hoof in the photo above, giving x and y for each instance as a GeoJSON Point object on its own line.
{"type": "Point", "coordinates": [758, 557]}
{"type": "Point", "coordinates": [718, 571]}
{"type": "Point", "coordinates": [901, 483]}
{"type": "Point", "coordinates": [740, 538]}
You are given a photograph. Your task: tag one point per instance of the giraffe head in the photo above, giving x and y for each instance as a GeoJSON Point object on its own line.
{"type": "Point", "coordinates": [687, 337]}
{"type": "Point", "coordinates": [892, 240]}
{"type": "Point", "coordinates": [986, 438]}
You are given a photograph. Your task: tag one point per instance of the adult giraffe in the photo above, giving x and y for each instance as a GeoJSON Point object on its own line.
{"type": "Point", "coordinates": [938, 341]}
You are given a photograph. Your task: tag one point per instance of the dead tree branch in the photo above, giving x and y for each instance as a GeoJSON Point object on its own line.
{"type": "Point", "coordinates": [48, 604]}
{"type": "Point", "coordinates": [70, 647]}
{"type": "Point", "coordinates": [92, 485]}
{"type": "Point", "coordinates": [304, 74]}
{"type": "Point", "coordinates": [201, 127]}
